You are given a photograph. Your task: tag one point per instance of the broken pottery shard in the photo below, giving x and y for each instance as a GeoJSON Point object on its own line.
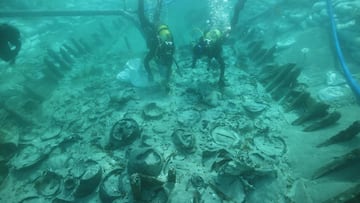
{"type": "Point", "coordinates": [90, 178]}
{"type": "Point", "coordinates": [184, 141]}
{"type": "Point", "coordinates": [188, 117]}
{"type": "Point", "coordinates": [124, 132]}
{"type": "Point", "coordinates": [145, 161]}
{"type": "Point", "coordinates": [270, 145]}
{"type": "Point", "coordinates": [338, 163]}
{"type": "Point", "coordinates": [48, 184]}
{"type": "Point", "coordinates": [171, 175]}
{"type": "Point", "coordinates": [28, 157]}
{"type": "Point", "coordinates": [253, 106]}
{"type": "Point", "coordinates": [344, 135]}
{"type": "Point", "coordinates": [325, 122]}
{"type": "Point", "coordinates": [111, 186]}
{"type": "Point", "coordinates": [317, 110]}
{"type": "Point", "coordinates": [153, 111]}
{"type": "Point", "coordinates": [225, 136]}
{"type": "Point", "coordinates": [228, 189]}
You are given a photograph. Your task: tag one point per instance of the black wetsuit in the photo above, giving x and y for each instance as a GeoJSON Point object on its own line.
{"type": "Point", "coordinates": [157, 49]}
{"type": "Point", "coordinates": [10, 43]}
{"type": "Point", "coordinates": [201, 49]}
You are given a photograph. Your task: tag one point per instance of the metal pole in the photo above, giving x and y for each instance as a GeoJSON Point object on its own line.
{"type": "Point", "coordinates": [64, 13]}
{"type": "Point", "coordinates": [59, 13]}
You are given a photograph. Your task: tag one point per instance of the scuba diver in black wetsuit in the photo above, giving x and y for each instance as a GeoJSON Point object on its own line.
{"type": "Point", "coordinates": [159, 41]}
{"type": "Point", "coordinates": [10, 43]}
{"type": "Point", "coordinates": [210, 43]}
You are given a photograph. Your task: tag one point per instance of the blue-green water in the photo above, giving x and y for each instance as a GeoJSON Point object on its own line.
{"type": "Point", "coordinates": [81, 122]}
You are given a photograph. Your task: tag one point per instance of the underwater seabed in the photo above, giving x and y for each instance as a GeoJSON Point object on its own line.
{"type": "Point", "coordinates": [236, 146]}
{"type": "Point", "coordinates": [284, 129]}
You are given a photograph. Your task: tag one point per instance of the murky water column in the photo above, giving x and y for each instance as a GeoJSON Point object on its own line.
{"type": "Point", "coordinates": [220, 11]}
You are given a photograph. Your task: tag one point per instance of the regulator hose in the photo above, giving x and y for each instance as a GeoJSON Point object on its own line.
{"type": "Point", "coordinates": [350, 80]}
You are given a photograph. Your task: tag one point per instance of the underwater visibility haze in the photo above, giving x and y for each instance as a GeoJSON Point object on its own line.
{"type": "Point", "coordinates": [176, 101]}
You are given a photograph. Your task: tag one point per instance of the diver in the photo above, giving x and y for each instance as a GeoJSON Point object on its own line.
{"type": "Point", "coordinates": [210, 43]}
{"type": "Point", "coordinates": [10, 43]}
{"type": "Point", "coordinates": [159, 41]}
{"type": "Point", "coordinates": [237, 8]}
